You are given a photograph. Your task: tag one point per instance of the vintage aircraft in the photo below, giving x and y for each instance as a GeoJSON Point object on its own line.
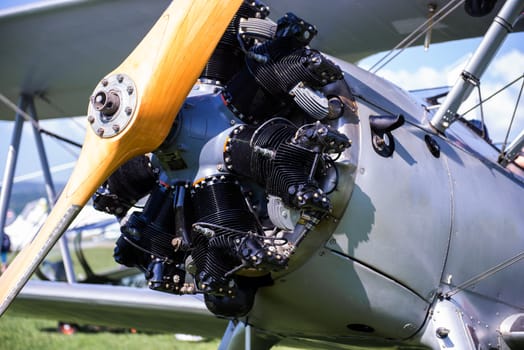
{"type": "Point", "coordinates": [309, 202]}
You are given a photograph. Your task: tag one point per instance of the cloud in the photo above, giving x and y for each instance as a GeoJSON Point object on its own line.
{"type": "Point", "coordinates": [423, 77]}
{"type": "Point", "coordinates": [508, 66]}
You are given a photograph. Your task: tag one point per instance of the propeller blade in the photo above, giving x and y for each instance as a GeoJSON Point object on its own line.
{"type": "Point", "coordinates": [130, 113]}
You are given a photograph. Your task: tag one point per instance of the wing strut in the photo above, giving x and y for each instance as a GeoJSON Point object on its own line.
{"type": "Point", "coordinates": [51, 192]}
{"type": "Point", "coordinates": [10, 166]}
{"type": "Point", "coordinates": [26, 103]}
{"type": "Point", "coordinates": [513, 151]}
{"type": "Point", "coordinates": [470, 76]}
{"type": "Point", "coordinates": [243, 336]}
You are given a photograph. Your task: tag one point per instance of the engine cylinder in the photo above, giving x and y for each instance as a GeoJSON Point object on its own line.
{"type": "Point", "coordinates": [221, 219]}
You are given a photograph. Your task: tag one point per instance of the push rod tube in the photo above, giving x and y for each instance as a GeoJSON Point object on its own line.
{"type": "Point", "coordinates": [470, 77]}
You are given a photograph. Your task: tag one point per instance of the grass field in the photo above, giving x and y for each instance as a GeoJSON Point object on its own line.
{"type": "Point", "coordinates": [17, 333]}
{"type": "Point", "coordinates": [21, 333]}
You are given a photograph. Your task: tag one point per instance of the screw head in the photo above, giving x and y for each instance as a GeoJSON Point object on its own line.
{"type": "Point", "coordinates": [442, 332]}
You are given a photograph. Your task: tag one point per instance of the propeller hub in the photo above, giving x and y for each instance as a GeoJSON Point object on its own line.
{"type": "Point", "coordinates": [112, 105]}
{"type": "Point", "coordinates": [107, 103]}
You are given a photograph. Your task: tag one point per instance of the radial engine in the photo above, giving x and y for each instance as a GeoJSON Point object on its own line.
{"type": "Point", "coordinates": [246, 172]}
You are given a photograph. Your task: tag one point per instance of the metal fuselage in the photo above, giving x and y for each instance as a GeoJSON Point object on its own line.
{"type": "Point", "coordinates": [405, 229]}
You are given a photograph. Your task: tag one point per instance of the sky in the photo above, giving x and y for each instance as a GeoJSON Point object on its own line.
{"type": "Point", "coordinates": [414, 68]}
{"type": "Point", "coordinates": [61, 156]}
{"type": "Point", "coordinates": [442, 63]}
{"type": "Point", "coordinates": [12, 3]}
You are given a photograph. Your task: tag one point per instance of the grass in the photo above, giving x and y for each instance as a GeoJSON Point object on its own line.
{"type": "Point", "coordinates": [20, 333]}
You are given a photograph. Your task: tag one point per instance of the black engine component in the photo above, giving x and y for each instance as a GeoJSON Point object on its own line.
{"type": "Point", "coordinates": [479, 8]}
{"type": "Point", "coordinates": [240, 304]}
{"type": "Point", "coordinates": [231, 306]}
{"type": "Point", "coordinates": [262, 88]}
{"type": "Point", "coordinates": [381, 127]}
{"type": "Point", "coordinates": [148, 237]}
{"type": "Point", "coordinates": [228, 57]}
{"type": "Point", "coordinates": [226, 235]}
{"type": "Point", "coordinates": [287, 161]}
{"type": "Point", "coordinates": [132, 181]}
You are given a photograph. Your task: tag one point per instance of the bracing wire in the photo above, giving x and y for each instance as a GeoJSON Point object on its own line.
{"type": "Point", "coordinates": [485, 274]}
{"type": "Point", "coordinates": [481, 111]}
{"type": "Point", "coordinates": [416, 34]}
{"type": "Point", "coordinates": [482, 101]}
{"type": "Point", "coordinates": [512, 119]}
{"type": "Point", "coordinates": [35, 123]}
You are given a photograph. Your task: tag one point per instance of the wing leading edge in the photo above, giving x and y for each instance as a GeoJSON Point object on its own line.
{"type": "Point", "coordinates": [58, 50]}
{"type": "Point", "coordinates": [352, 30]}
{"type": "Point", "coordinates": [117, 306]}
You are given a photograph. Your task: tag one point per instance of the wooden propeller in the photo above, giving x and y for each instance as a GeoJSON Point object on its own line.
{"type": "Point", "coordinates": [134, 109]}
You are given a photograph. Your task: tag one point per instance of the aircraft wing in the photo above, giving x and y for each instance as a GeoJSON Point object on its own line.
{"type": "Point", "coordinates": [352, 30]}
{"type": "Point", "coordinates": [117, 306]}
{"type": "Point", "coordinates": [60, 49]}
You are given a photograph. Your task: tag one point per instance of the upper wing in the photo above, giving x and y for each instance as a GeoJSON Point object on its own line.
{"type": "Point", "coordinates": [352, 30]}
{"type": "Point", "coordinates": [117, 306]}
{"type": "Point", "coordinates": [60, 49]}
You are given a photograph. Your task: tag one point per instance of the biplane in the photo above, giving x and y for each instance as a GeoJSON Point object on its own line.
{"type": "Point", "coordinates": [292, 197]}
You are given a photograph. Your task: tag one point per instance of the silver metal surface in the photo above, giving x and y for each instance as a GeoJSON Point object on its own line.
{"type": "Point", "coordinates": [449, 328]}
{"type": "Point", "coordinates": [512, 331]}
{"type": "Point", "coordinates": [398, 219]}
{"type": "Point", "coordinates": [122, 89]}
{"type": "Point", "coordinates": [198, 140]}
